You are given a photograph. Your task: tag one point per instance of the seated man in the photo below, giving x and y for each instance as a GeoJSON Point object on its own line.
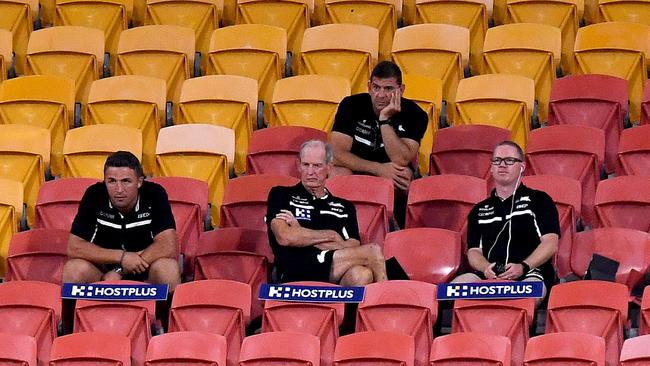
{"type": "Point", "coordinates": [514, 233]}
{"type": "Point", "coordinates": [379, 132]}
{"type": "Point", "coordinates": [314, 235]}
{"type": "Point", "coordinates": [124, 229]}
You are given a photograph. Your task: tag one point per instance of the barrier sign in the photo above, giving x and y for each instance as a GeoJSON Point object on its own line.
{"type": "Point", "coordinates": [114, 292]}
{"type": "Point", "coordinates": [311, 293]}
{"type": "Point", "coordinates": [490, 290]}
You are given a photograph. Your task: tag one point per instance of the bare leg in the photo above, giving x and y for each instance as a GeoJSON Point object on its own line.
{"type": "Point", "coordinates": [80, 271]}
{"type": "Point", "coordinates": [368, 255]}
{"type": "Point", "coordinates": [466, 277]}
{"type": "Point", "coordinates": [537, 301]}
{"type": "Point", "coordinates": [357, 276]}
{"type": "Point", "coordinates": [165, 270]}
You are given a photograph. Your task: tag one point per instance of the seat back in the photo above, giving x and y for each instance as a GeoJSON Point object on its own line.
{"type": "Point", "coordinates": [633, 150]}
{"type": "Point", "coordinates": [96, 348]}
{"type": "Point", "coordinates": [11, 215]}
{"type": "Point", "coordinates": [262, 349]}
{"type": "Point", "coordinates": [37, 255]}
{"type": "Point", "coordinates": [186, 348]}
{"type": "Point", "coordinates": [566, 347]}
{"type": "Point", "coordinates": [478, 348]}
{"type": "Point", "coordinates": [619, 11]}
{"type": "Point", "coordinates": [18, 17]}
{"type": "Point", "coordinates": [58, 201]}
{"type": "Point", "coordinates": [17, 350]}
{"type": "Point", "coordinates": [360, 349]}
{"type": "Point", "coordinates": [635, 351]}
{"type": "Point", "coordinates": [644, 318]}
{"type": "Point", "coordinates": [6, 53]}
{"type": "Point", "coordinates": [623, 202]}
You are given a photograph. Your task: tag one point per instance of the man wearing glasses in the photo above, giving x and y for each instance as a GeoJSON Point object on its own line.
{"type": "Point", "coordinates": [513, 234]}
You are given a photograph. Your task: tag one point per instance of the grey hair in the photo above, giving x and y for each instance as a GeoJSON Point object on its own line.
{"type": "Point", "coordinates": [520, 152]}
{"type": "Point", "coordinates": [329, 155]}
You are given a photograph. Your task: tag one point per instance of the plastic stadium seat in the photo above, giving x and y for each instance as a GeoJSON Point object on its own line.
{"type": "Point", "coordinates": [199, 151]}
{"type": "Point", "coordinates": [223, 100]}
{"type": "Point", "coordinates": [564, 348]}
{"type": "Point", "coordinates": [262, 349]}
{"type": "Point", "coordinates": [11, 214]}
{"type": "Point", "coordinates": [379, 14]}
{"type": "Point", "coordinates": [562, 14]}
{"type": "Point", "coordinates": [161, 51]}
{"type": "Point", "coordinates": [18, 17]}
{"type": "Point", "coordinates": [296, 102]}
{"type": "Point", "coordinates": [405, 307]}
{"type": "Point", "coordinates": [346, 50]}
{"type": "Point", "coordinates": [186, 348]}
{"type": "Point", "coordinates": [41, 101]}
{"type": "Point", "coordinates": [256, 51]}
{"type": "Point", "coordinates": [426, 92]}
{"type": "Point", "coordinates": [274, 150]}
{"type": "Point", "coordinates": [623, 202]}
{"type": "Point", "coordinates": [426, 254]}
{"type": "Point", "coordinates": [244, 200]}
{"type": "Point", "coordinates": [17, 350]}
{"type": "Point", "coordinates": [633, 150]}
{"type": "Point", "coordinates": [38, 255]}
{"type": "Point", "coordinates": [645, 105]}
{"type": "Point", "coordinates": [292, 15]}
{"type": "Point", "coordinates": [24, 157]}
{"type": "Point", "coordinates": [466, 150]}
{"type": "Point", "coordinates": [526, 49]}
{"type": "Point", "coordinates": [213, 306]}
{"type": "Point", "coordinates": [71, 52]}
{"type": "Point", "coordinates": [567, 196]}
{"type": "Point", "coordinates": [6, 53]}
{"type": "Point", "coordinates": [361, 349]}
{"type": "Point", "coordinates": [31, 308]}
{"type": "Point", "coordinates": [572, 151]}
{"type": "Point", "coordinates": [58, 201]}
{"type": "Point", "coordinates": [599, 101]}
{"type": "Point", "coordinates": [510, 318]}
{"type": "Point", "coordinates": [235, 254]}
{"type": "Point", "coordinates": [439, 51]}
{"type": "Point", "coordinates": [478, 348]}
{"type": "Point", "coordinates": [509, 106]}
{"type": "Point", "coordinates": [594, 307]}
{"type": "Point", "coordinates": [617, 49]}
{"type": "Point", "coordinates": [320, 319]}
{"type": "Point", "coordinates": [133, 101]}
{"type": "Point", "coordinates": [91, 348]}
{"type": "Point", "coordinates": [623, 11]}
{"type": "Point", "coordinates": [635, 351]}
{"type": "Point", "coordinates": [85, 149]}
{"type": "Point", "coordinates": [373, 198]}
{"type": "Point", "coordinates": [644, 321]}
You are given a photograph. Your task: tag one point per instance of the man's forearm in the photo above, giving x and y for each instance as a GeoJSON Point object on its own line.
{"type": "Point", "coordinates": [82, 249]}
{"type": "Point", "coordinates": [544, 251]}
{"type": "Point", "coordinates": [298, 236]}
{"type": "Point", "coordinates": [163, 246]}
{"type": "Point", "coordinates": [477, 261]}
{"type": "Point", "coordinates": [397, 150]}
{"type": "Point", "coordinates": [334, 245]}
{"type": "Point", "coordinates": [355, 163]}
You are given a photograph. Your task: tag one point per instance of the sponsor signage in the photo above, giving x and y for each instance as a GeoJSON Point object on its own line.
{"type": "Point", "coordinates": [490, 290]}
{"type": "Point", "coordinates": [311, 293]}
{"type": "Point", "coordinates": [114, 292]}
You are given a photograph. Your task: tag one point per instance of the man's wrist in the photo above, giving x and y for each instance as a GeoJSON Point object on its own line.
{"type": "Point", "coordinates": [525, 267]}
{"type": "Point", "coordinates": [383, 121]}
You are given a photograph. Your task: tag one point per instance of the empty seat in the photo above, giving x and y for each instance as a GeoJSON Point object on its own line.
{"type": "Point", "coordinates": [645, 105]}
{"type": "Point", "coordinates": [478, 348]}
{"type": "Point", "coordinates": [18, 17]}
{"type": "Point", "coordinates": [346, 50]}
{"type": "Point", "coordinates": [405, 307]}
{"type": "Point", "coordinates": [644, 321]}
{"type": "Point", "coordinates": [85, 149]}
{"type": "Point", "coordinates": [199, 151]}
{"type": "Point", "coordinates": [71, 52]}
{"type": "Point", "coordinates": [130, 100]}
{"type": "Point", "coordinates": [186, 348]}
{"type": "Point", "coordinates": [58, 201]}
{"type": "Point", "coordinates": [17, 350]}
{"type": "Point", "coordinates": [623, 202]}
{"type": "Point", "coordinates": [623, 11]}
{"type": "Point", "coordinates": [262, 349]}
{"type": "Point", "coordinates": [6, 53]}
{"type": "Point", "coordinates": [599, 101]}
{"type": "Point", "coordinates": [245, 199]}
{"type": "Point", "coordinates": [93, 348]}
{"type": "Point", "coordinates": [11, 215]}
{"type": "Point", "coordinates": [361, 349]}
{"type": "Point", "coordinates": [635, 351]}
{"type": "Point", "coordinates": [594, 307]}
{"type": "Point", "coordinates": [563, 348]}
{"type": "Point", "coordinates": [223, 100]}
{"type": "Point", "coordinates": [426, 254]}
{"type": "Point", "coordinates": [633, 151]}
{"type": "Point", "coordinates": [37, 255]}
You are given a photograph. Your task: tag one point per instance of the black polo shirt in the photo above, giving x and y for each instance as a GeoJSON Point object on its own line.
{"type": "Point", "coordinates": [98, 222]}
{"type": "Point", "coordinates": [356, 118]}
{"type": "Point", "coordinates": [534, 214]}
{"type": "Point", "coordinates": [325, 213]}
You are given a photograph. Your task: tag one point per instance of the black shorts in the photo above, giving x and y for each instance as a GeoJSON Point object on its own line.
{"type": "Point", "coordinates": [306, 264]}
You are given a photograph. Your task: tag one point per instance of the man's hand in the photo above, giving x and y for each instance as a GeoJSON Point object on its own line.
{"type": "Point", "coordinates": [513, 271]}
{"type": "Point", "coordinates": [133, 263]}
{"type": "Point", "coordinates": [400, 175]}
{"type": "Point", "coordinates": [288, 217]}
{"type": "Point", "coordinates": [393, 107]}
{"type": "Point", "coordinates": [489, 272]}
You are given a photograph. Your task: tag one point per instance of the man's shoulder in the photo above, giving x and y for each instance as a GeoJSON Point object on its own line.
{"type": "Point", "coordinates": [535, 194]}
{"type": "Point", "coordinates": [97, 190]}
{"type": "Point", "coordinates": [411, 107]}
{"type": "Point", "coordinates": [484, 204]}
{"type": "Point", "coordinates": [339, 201]}
{"type": "Point", "coordinates": [355, 101]}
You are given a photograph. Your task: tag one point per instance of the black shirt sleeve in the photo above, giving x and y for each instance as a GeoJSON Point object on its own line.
{"type": "Point", "coordinates": [163, 218]}
{"type": "Point", "coordinates": [85, 221]}
{"type": "Point", "coordinates": [413, 121]}
{"type": "Point", "coordinates": [274, 204]}
{"type": "Point", "coordinates": [473, 232]}
{"type": "Point", "coordinates": [547, 215]}
{"type": "Point", "coordinates": [344, 117]}
{"type": "Point", "coordinates": [352, 225]}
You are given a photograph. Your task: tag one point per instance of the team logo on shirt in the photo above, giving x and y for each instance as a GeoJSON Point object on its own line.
{"type": "Point", "coordinates": [303, 214]}
{"type": "Point", "coordinates": [524, 199]}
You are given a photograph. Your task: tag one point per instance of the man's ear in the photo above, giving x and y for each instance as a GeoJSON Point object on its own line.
{"type": "Point", "coordinates": [402, 88]}
{"type": "Point", "coordinates": [140, 181]}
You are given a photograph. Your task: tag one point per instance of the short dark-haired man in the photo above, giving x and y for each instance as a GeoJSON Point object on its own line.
{"type": "Point", "coordinates": [379, 132]}
{"type": "Point", "coordinates": [314, 235]}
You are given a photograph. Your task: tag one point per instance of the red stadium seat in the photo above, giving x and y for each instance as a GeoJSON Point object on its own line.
{"type": "Point", "coordinates": [636, 351]}
{"type": "Point", "coordinates": [91, 348]}
{"type": "Point", "coordinates": [634, 151]}
{"type": "Point", "coordinates": [558, 349]}
{"type": "Point", "coordinates": [58, 201]}
{"type": "Point", "coordinates": [17, 350]}
{"type": "Point", "coordinates": [268, 349]}
{"type": "Point", "coordinates": [38, 255]}
{"type": "Point", "coordinates": [363, 349]}
{"type": "Point", "coordinates": [645, 105]}
{"type": "Point", "coordinates": [186, 348]}
{"type": "Point", "coordinates": [644, 324]}
{"type": "Point", "coordinates": [477, 349]}
{"type": "Point", "coordinates": [623, 202]}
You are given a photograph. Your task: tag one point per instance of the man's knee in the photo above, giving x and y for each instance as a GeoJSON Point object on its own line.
{"type": "Point", "coordinates": [165, 270]}
{"type": "Point", "coordinates": [374, 252]}
{"type": "Point", "coordinates": [80, 271]}
{"type": "Point", "coordinates": [466, 277]}
{"type": "Point", "coordinates": [358, 276]}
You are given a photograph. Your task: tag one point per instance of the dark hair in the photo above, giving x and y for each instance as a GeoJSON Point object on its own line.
{"type": "Point", "coordinates": [385, 70]}
{"type": "Point", "coordinates": [124, 159]}
{"type": "Point", "coordinates": [520, 152]}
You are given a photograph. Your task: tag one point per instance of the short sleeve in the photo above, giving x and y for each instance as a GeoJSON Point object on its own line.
{"type": "Point", "coordinates": [163, 218]}
{"type": "Point", "coordinates": [275, 203]}
{"type": "Point", "coordinates": [473, 232]}
{"type": "Point", "coordinates": [547, 215]}
{"type": "Point", "coordinates": [344, 117]}
{"type": "Point", "coordinates": [84, 222]}
{"type": "Point", "coordinates": [352, 225]}
{"type": "Point", "coordinates": [413, 122]}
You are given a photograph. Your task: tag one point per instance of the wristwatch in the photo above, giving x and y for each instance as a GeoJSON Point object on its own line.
{"type": "Point", "coordinates": [525, 266]}
{"type": "Point", "coordinates": [118, 270]}
{"type": "Point", "coordinates": [383, 122]}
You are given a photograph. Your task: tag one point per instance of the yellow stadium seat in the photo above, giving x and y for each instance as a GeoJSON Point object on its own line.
{"type": "Point", "coordinates": [563, 14]}
{"type": "Point", "coordinates": [11, 211]}
{"type": "Point", "coordinates": [470, 14]}
{"type": "Point", "coordinates": [257, 51]}
{"type": "Point", "coordinates": [347, 50]}
{"type": "Point", "coordinates": [24, 156]}
{"type": "Point", "coordinates": [86, 148]}
{"type": "Point", "coordinates": [617, 49]}
{"type": "Point", "coordinates": [292, 15]}
{"type": "Point", "coordinates": [427, 93]}
{"type": "Point", "coordinates": [526, 49]}
{"type": "Point", "coordinates": [71, 52]}
{"type": "Point", "coordinates": [297, 102]}
{"type": "Point", "coordinates": [130, 100]}
{"type": "Point", "coordinates": [17, 16]}
{"type": "Point", "coordinates": [201, 15]}
{"type": "Point", "coordinates": [199, 151]}
{"type": "Point", "coordinates": [109, 16]}
{"type": "Point", "coordinates": [222, 100]}
{"type": "Point", "coordinates": [379, 14]}
{"type": "Point", "coordinates": [635, 11]}
{"type": "Point", "coordinates": [499, 100]}
{"type": "Point", "coordinates": [6, 53]}
{"type": "Point", "coordinates": [439, 51]}
{"type": "Point", "coordinates": [161, 51]}
{"type": "Point", "coordinates": [41, 101]}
